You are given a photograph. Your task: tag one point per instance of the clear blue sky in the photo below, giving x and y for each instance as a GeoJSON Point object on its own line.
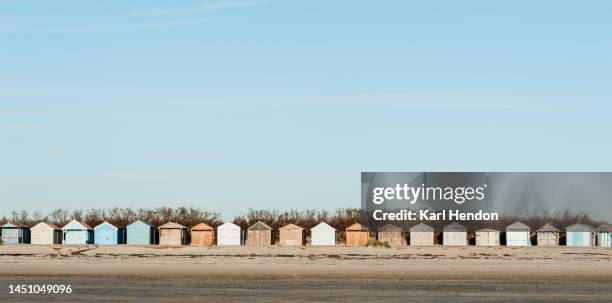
{"type": "Point", "coordinates": [230, 104]}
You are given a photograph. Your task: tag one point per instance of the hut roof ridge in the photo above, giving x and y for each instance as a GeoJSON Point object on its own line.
{"type": "Point", "coordinates": [548, 227]}
{"type": "Point", "coordinates": [202, 226]}
{"type": "Point", "coordinates": [422, 227]}
{"type": "Point", "coordinates": [604, 227]}
{"type": "Point", "coordinates": [13, 224]}
{"type": "Point", "coordinates": [356, 227]}
{"type": "Point", "coordinates": [260, 226]}
{"type": "Point", "coordinates": [171, 225]}
{"type": "Point", "coordinates": [455, 226]}
{"type": "Point", "coordinates": [106, 223]}
{"type": "Point", "coordinates": [518, 225]}
{"type": "Point", "coordinates": [291, 226]}
{"type": "Point", "coordinates": [52, 226]}
{"type": "Point", "coordinates": [579, 228]}
{"type": "Point", "coordinates": [323, 225]}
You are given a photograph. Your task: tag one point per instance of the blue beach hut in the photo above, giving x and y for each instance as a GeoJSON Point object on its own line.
{"type": "Point", "coordinates": [106, 233]}
{"type": "Point", "coordinates": [13, 233]}
{"type": "Point", "coordinates": [140, 232]}
{"type": "Point", "coordinates": [77, 232]}
{"type": "Point", "coordinates": [579, 235]}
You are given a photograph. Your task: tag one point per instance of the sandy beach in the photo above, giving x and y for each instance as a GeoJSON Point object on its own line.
{"type": "Point", "coordinates": [264, 274]}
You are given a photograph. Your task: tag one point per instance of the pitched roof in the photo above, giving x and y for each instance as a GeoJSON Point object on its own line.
{"type": "Point", "coordinates": [487, 230]}
{"type": "Point", "coordinates": [202, 226]}
{"type": "Point", "coordinates": [106, 223]}
{"type": "Point", "coordinates": [141, 221]}
{"type": "Point", "coordinates": [324, 226]}
{"type": "Point", "coordinates": [421, 227]}
{"type": "Point", "coordinates": [260, 226]}
{"type": "Point", "coordinates": [228, 225]}
{"type": "Point", "coordinates": [356, 227]}
{"type": "Point", "coordinates": [518, 226]}
{"type": "Point", "coordinates": [604, 227]}
{"type": "Point", "coordinates": [85, 226]}
{"type": "Point", "coordinates": [390, 228]}
{"type": "Point", "coordinates": [291, 226]}
{"type": "Point", "coordinates": [13, 225]}
{"type": "Point", "coordinates": [172, 225]}
{"type": "Point", "coordinates": [548, 227]}
{"type": "Point", "coordinates": [579, 228]}
{"type": "Point", "coordinates": [455, 227]}
{"type": "Point", "coordinates": [47, 224]}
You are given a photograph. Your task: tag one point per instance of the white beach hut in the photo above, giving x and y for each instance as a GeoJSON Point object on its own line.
{"type": "Point", "coordinates": [454, 234]}
{"type": "Point", "coordinates": [229, 234]}
{"type": "Point", "coordinates": [422, 235]}
{"type": "Point", "coordinates": [604, 235]}
{"type": "Point", "coordinates": [45, 233]}
{"type": "Point", "coordinates": [518, 234]}
{"type": "Point", "coordinates": [579, 235]}
{"type": "Point", "coordinates": [323, 234]}
{"type": "Point", "coordinates": [487, 237]}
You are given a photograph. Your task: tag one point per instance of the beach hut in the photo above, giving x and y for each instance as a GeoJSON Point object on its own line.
{"type": "Point", "coordinates": [548, 235]}
{"type": "Point", "coordinates": [259, 234]}
{"type": "Point", "coordinates": [140, 232]}
{"type": "Point", "coordinates": [106, 233]}
{"type": "Point", "coordinates": [518, 234]}
{"type": "Point", "coordinates": [323, 234]}
{"type": "Point", "coordinates": [487, 237]}
{"type": "Point", "coordinates": [604, 235]}
{"type": "Point", "coordinates": [357, 235]}
{"type": "Point", "coordinates": [172, 234]}
{"type": "Point", "coordinates": [15, 233]}
{"type": "Point", "coordinates": [391, 234]}
{"type": "Point", "coordinates": [77, 232]}
{"type": "Point", "coordinates": [454, 234]}
{"type": "Point", "coordinates": [291, 235]}
{"type": "Point", "coordinates": [202, 235]}
{"type": "Point", "coordinates": [229, 234]}
{"type": "Point", "coordinates": [579, 235]}
{"type": "Point", "coordinates": [422, 235]}
{"type": "Point", "coordinates": [45, 233]}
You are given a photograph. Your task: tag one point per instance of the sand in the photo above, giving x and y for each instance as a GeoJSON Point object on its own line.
{"type": "Point", "coordinates": [229, 274]}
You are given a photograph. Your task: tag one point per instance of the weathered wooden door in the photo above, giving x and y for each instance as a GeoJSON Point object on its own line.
{"type": "Point", "coordinates": [207, 237]}
{"type": "Point", "coordinates": [199, 237]}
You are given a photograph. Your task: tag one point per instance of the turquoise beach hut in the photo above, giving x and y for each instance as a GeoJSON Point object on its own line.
{"type": "Point", "coordinates": [106, 233]}
{"type": "Point", "coordinates": [77, 232]}
{"type": "Point", "coordinates": [140, 232]}
{"type": "Point", "coordinates": [13, 233]}
{"type": "Point", "coordinates": [579, 235]}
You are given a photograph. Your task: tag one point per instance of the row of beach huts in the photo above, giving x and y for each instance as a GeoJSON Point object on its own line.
{"type": "Point", "coordinates": [141, 232]}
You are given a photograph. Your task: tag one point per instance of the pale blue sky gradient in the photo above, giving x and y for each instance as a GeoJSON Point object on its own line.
{"type": "Point", "coordinates": [227, 105]}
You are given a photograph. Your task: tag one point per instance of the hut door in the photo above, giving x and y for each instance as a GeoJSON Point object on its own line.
{"type": "Point", "coordinates": [75, 237]}
{"type": "Point", "coordinates": [351, 238]}
{"type": "Point", "coordinates": [197, 237]}
{"type": "Point", "coordinates": [10, 235]}
{"type": "Point", "coordinates": [207, 238]}
{"type": "Point", "coordinates": [577, 238]}
{"type": "Point", "coordinates": [105, 235]}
